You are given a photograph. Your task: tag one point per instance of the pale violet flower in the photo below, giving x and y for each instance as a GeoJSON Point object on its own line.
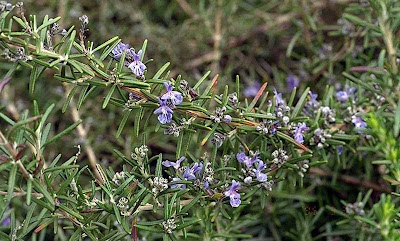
{"type": "Point", "coordinates": [261, 177]}
{"type": "Point", "coordinates": [278, 98]}
{"type": "Point", "coordinates": [137, 66]}
{"type": "Point", "coordinates": [248, 161]}
{"type": "Point", "coordinates": [190, 173]}
{"type": "Point", "coordinates": [175, 165]}
{"type": "Point", "coordinates": [233, 195]}
{"type": "Point", "coordinates": [292, 81]}
{"type": "Point", "coordinates": [345, 94]}
{"type": "Point", "coordinates": [177, 185]}
{"type": "Point", "coordinates": [173, 96]}
{"type": "Point", "coordinates": [119, 49]}
{"type": "Point", "coordinates": [298, 133]}
{"type": "Point", "coordinates": [164, 113]}
{"type": "Point", "coordinates": [358, 122]}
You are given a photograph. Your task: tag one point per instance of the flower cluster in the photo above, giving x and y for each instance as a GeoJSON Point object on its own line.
{"type": "Point", "coordinates": [268, 127]}
{"type": "Point", "coordinates": [132, 60]}
{"type": "Point", "coordinates": [319, 138]}
{"type": "Point", "coordinates": [167, 102]}
{"type": "Point", "coordinates": [303, 167]}
{"type": "Point", "coordinates": [5, 6]}
{"type": "Point", "coordinates": [118, 177]}
{"type": "Point", "coordinates": [159, 184]}
{"type": "Point", "coordinates": [219, 115]}
{"type": "Point", "coordinates": [254, 169]}
{"type": "Point", "coordinates": [18, 56]}
{"type": "Point", "coordinates": [355, 208]}
{"type": "Point", "coordinates": [279, 157]}
{"type": "Point", "coordinates": [169, 225]}
{"type": "Point", "coordinates": [123, 206]}
{"type": "Point", "coordinates": [218, 139]}
{"type": "Point", "coordinates": [186, 173]}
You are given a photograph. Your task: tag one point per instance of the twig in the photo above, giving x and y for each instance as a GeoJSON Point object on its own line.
{"type": "Point", "coordinates": [21, 193]}
{"type": "Point", "coordinates": [186, 8]}
{"type": "Point", "coordinates": [83, 135]}
{"type": "Point", "coordinates": [350, 180]}
{"type": "Point", "coordinates": [217, 37]}
{"type": "Point", "coordinates": [148, 207]}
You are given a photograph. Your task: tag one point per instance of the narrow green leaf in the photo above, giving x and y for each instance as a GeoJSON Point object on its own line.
{"type": "Point", "coordinates": [28, 191]}
{"type": "Point", "coordinates": [108, 96]}
{"type": "Point", "coordinates": [191, 204]}
{"type": "Point", "coordinates": [138, 118]}
{"type": "Point", "coordinates": [69, 98]}
{"type": "Point", "coordinates": [300, 103]}
{"type": "Point", "coordinates": [123, 122]}
{"type": "Point", "coordinates": [201, 80]}
{"type": "Point", "coordinates": [161, 71]}
{"type": "Point", "coordinates": [38, 186]}
{"type": "Point", "coordinates": [63, 133]}
{"type": "Point", "coordinates": [158, 171]}
{"type": "Point", "coordinates": [292, 43]}
{"type": "Point", "coordinates": [71, 212]}
{"type": "Point", "coordinates": [32, 79]}
{"type": "Point", "coordinates": [46, 115]}
{"type": "Point", "coordinates": [50, 22]}
{"type": "Point", "coordinates": [187, 224]}
{"type": "Point", "coordinates": [396, 127]}
{"type": "Point", "coordinates": [70, 43]}
{"type": "Point", "coordinates": [103, 45]}
{"type": "Point", "coordinates": [144, 47]}
{"type": "Point", "coordinates": [11, 182]}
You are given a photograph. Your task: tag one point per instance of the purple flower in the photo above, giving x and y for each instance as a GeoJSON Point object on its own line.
{"type": "Point", "coordinates": [175, 165]}
{"type": "Point", "coordinates": [190, 173]}
{"type": "Point", "coordinates": [340, 150]}
{"type": "Point", "coordinates": [177, 186]}
{"type": "Point", "coordinates": [358, 122]}
{"type": "Point", "coordinates": [164, 112]}
{"type": "Point", "coordinates": [174, 96]}
{"type": "Point", "coordinates": [6, 222]}
{"type": "Point", "coordinates": [233, 195]}
{"type": "Point", "coordinates": [136, 66]}
{"type": "Point", "coordinates": [344, 95]}
{"type": "Point", "coordinates": [119, 49]}
{"type": "Point", "coordinates": [278, 98]}
{"type": "Point", "coordinates": [252, 90]}
{"type": "Point", "coordinates": [313, 97]}
{"type": "Point", "coordinates": [292, 81]}
{"type": "Point", "coordinates": [298, 133]}
{"type": "Point", "coordinates": [261, 177]}
{"type": "Point", "coordinates": [248, 161]}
